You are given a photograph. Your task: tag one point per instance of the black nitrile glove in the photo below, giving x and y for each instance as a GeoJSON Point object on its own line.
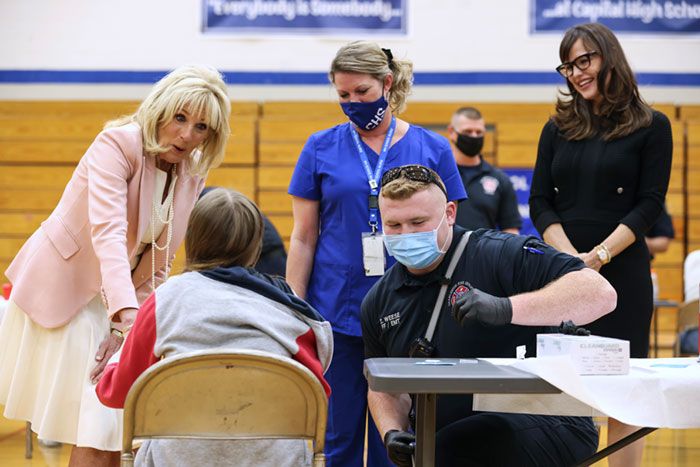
{"type": "Point", "coordinates": [478, 306]}
{"type": "Point", "coordinates": [399, 446]}
{"type": "Point", "coordinates": [568, 327]}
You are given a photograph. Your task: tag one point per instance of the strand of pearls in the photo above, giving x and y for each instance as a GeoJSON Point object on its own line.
{"type": "Point", "coordinates": [168, 222]}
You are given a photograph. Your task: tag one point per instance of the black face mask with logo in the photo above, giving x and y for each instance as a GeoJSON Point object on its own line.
{"type": "Point", "coordinates": [469, 145]}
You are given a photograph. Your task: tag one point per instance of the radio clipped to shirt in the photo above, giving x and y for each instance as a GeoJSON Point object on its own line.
{"type": "Point", "coordinates": [422, 346]}
{"type": "Point", "coordinates": [373, 254]}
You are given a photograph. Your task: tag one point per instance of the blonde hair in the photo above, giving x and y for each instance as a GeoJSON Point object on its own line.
{"type": "Point", "coordinates": [370, 59]}
{"type": "Point", "coordinates": [224, 229]}
{"type": "Point", "coordinates": [202, 91]}
{"type": "Point", "coordinates": [403, 188]}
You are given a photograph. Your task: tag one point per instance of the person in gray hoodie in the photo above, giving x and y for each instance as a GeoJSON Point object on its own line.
{"type": "Point", "coordinates": [221, 302]}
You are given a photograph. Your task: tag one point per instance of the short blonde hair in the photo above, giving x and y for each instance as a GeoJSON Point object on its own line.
{"type": "Point", "coordinates": [402, 187]}
{"type": "Point", "coordinates": [224, 229]}
{"type": "Point", "coordinates": [202, 91]}
{"type": "Point", "coordinates": [368, 58]}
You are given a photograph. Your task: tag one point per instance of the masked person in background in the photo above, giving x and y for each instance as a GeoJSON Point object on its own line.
{"type": "Point", "coordinates": [335, 252]}
{"type": "Point", "coordinates": [659, 236]}
{"type": "Point", "coordinates": [492, 203]}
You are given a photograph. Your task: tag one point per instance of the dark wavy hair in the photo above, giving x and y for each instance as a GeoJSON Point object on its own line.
{"type": "Point", "coordinates": [622, 110]}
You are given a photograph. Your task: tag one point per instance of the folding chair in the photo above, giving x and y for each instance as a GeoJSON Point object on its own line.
{"type": "Point", "coordinates": [687, 317]}
{"type": "Point", "coordinates": [226, 394]}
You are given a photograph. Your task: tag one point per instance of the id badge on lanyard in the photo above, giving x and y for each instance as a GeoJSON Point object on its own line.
{"type": "Point", "coordinates": [373, 253]}
{"type": "Point", "coordinates": [373, 257]}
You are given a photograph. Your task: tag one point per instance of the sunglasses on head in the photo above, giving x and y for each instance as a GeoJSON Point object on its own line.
{"type": "Point", "coordinates": [416, 173]}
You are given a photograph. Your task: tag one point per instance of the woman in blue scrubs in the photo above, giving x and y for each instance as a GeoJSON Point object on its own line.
{"type": "Point", "coordinates": [336, 251]}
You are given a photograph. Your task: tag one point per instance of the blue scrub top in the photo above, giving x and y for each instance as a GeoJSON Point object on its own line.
{"type": "Point", "coordinates": [329, 170]}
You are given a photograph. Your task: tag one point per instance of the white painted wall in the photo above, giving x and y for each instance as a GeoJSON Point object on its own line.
{"type": "Point", "coordinates": [444, 36]}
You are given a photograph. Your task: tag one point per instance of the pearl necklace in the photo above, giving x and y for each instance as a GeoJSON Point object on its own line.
{"type": "Point", "coordinates": [168, 222]}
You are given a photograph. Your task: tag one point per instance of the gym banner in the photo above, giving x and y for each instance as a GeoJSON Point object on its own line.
{"type": "Point", "coordinates": [632, 16]}
{"type": "Point", "coordinates": [320, 17]}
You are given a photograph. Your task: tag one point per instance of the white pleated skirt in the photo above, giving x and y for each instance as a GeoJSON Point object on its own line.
{"type": "Point", "coordinates": [45, 378]}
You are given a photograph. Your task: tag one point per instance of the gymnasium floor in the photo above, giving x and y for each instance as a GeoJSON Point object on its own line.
{"type": "Point", "coordinates": [664, 448]}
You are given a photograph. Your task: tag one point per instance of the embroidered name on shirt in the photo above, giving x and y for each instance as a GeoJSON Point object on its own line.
{"type": "Point", "coordinates": [389, 321]}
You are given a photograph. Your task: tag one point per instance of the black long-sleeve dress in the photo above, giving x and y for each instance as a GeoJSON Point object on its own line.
{"type": "Point", "coordinates": [592, 185]}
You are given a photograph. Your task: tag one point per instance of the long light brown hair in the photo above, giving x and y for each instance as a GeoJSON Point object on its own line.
{"type": "Point", "coordinates": [621, 110]}
{"type": "Point", "coordinates": [225, 229]}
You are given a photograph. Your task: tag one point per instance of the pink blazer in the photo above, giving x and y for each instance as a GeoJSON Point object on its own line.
{"type": "Point", "coordinates": [86, 244]}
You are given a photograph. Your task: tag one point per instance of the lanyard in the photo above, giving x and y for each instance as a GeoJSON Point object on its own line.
{"type": "Point", "coordinates": [373, 180]}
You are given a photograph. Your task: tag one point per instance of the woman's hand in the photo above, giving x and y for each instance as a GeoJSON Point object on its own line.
{"type": "Point", "coordinates": [111, 344]}
{"type": "Point", "coordinates": [107, 348]}
{"type": "Point", "coordinates": [591, 260]}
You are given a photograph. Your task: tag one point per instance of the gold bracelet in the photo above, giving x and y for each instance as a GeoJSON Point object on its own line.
{"type": "Point", "coordinates": [117, 332]}
{"type": "Point", "coordinates": [603, 254]}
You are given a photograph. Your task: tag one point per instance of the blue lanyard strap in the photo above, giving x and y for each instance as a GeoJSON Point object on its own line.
{"type": "Point", "coordinates": [373, 179]}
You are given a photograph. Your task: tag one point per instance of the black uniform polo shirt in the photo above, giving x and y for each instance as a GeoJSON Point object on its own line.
{"type": "Point", "coordinates": [397, 309]}
{"type": "Point", "coordinates": [663, 227]}
{"type": "Point", "coordinates": [492, 203]}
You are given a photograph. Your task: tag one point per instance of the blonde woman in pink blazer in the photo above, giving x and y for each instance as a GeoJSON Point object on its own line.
{"type": "Point", "coordinates": [80, 278]}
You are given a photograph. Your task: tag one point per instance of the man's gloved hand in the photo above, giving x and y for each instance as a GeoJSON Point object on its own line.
{"type": "Point", "coordinates": [478, 306]}
{"type": "Point", "coordinates": [400, 446]}
{"type": "Point", "coordinates": [568, 327]}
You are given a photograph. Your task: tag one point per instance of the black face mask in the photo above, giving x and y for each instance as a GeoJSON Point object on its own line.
{"type": "Point", "coordinates": [470, 145]}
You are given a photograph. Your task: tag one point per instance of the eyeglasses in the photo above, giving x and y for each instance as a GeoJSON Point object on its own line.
{"type": "Point", "coordinates": [581, 62]}
{"type": "Point", "coordinates": [416, 173]}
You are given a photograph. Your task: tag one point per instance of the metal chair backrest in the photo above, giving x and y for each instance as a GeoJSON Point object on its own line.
{"type": "Point", "coordinates": [687, 317]}
{"type": "Point", "coordinates": [226, 394]}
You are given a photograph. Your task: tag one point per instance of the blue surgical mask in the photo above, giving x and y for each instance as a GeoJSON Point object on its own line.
{"type": "Point", "coordinates": [416, 250]}
{"type": "Point", "coordinates": [366, 115]}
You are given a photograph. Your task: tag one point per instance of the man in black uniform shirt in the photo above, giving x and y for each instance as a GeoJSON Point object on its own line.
{"type": "Point", "coordinates": [492, 203]}
{"type": "Point", "coordinates": [503, 289]}
{"type": "Point", "coordinates": [658, 237]}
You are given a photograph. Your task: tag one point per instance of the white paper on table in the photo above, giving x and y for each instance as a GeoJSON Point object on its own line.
{"type": "Point", "coordinates": [662, 393]}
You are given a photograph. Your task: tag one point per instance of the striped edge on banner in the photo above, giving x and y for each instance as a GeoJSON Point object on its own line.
{"type": "Point", "coordinates": [321, 78]}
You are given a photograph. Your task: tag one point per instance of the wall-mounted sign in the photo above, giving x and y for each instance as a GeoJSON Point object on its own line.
{"type": "Point", "coordinates": [321, 17]}
{"type": "Point", "coordinates": [633, 16]}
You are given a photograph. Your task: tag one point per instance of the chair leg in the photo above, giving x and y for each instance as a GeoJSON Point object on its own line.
{"type": "Point", "coordinates": [319, 460]}
{"type": "Point", "coordinates": [28, 447]}
{"type": "Point", "coordinates": [127, 459]}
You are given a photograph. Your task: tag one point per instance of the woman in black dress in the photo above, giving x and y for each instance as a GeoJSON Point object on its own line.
{"type": "Point", "coordinates": [602, 170]}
